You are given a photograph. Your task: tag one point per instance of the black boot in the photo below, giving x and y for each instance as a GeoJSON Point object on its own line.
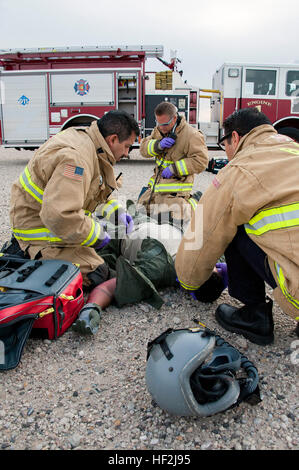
{"type": "Point", "coordinates": [254, 322]}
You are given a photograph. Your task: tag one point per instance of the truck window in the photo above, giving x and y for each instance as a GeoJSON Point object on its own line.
{"type": "Point", "coordinates": [260, 82]}
{"type": "Point", "coordinates": [292, 83]}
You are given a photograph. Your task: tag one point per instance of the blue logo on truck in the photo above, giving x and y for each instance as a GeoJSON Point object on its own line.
{"type": "Point", "coordinates": [23, 100]}
{"type": "Point", "coordinates": [81, 87]}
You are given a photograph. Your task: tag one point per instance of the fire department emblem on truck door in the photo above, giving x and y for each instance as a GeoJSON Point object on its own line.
{"type": "Point", "coordinates": [81, 87]}
{"type": "Point", "coordinates": [23, 100]}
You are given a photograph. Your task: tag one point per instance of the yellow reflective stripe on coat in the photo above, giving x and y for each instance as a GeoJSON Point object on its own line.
{"type": "Point", "coordinates": [35, 234]}
{"type": "Point", "coordinates": [30, 187]}
{"type": "Point", "coordinates": [163, 163]}
{"type": "Point", "coordinates": [94, 234]}
{"type": "Point", "coordinates": [274, 219]}
{"type": "Point", "coordinates": [281, 281]}
{"type": "Point", "coordinates": [42, 233]}
{"type": "Point", "coordinates": [193, 202]}
{"type": "Point", "coordinates": [150, 148]}
{"type": "Point", "coordinates": [181, 167]}
{"type": "Point", "coordinates": [111, 206]}
{"type": "Point", "coordinates": [171, 187]}
{"type": "Point", "coordinates": [188, 286]}
{"type": "Point", "coordinates": [289, 150]}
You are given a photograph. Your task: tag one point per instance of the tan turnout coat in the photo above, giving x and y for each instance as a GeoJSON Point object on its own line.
{"type": "Point", "coordinates": [65, 180]}
{"type": "Point", "coordinates": [258, 188]}
{"type": "Point", "coordinates": [189, 155]}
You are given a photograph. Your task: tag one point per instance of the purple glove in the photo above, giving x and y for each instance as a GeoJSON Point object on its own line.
{"type": "Point", "coordinates": [166, 143]}
{"type": "Point", "coordinates": [192, 293]}
{"type": "Point", "coordinates": [222, 270]}
{"type": "Point", "coordinates": [104, 236]}
{"type": "Point", "coordinates": [167, 173]}
{"type": "Point", "coordinates": [126, 220]}
{"type": "Point", "coordinates": [103, 242]}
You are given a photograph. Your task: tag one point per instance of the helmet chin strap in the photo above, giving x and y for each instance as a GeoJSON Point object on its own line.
{"type": "Point", "coordinates": [249, 389]}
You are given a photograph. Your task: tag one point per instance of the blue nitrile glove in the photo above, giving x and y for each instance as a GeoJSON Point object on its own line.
{"type": "Point", "coordinates": [104, 237]}
{"type": "Point", "coordinates": [101, 243]}
{"type": "Point", "coordinates": [127, 220]}
{"type": "Point", "coordinates": [166, 143]}
{"type": "Point", "coordinates": [192, 293]}
{"type": "Point", "coordinates": [222, 270]}
{"type": "Point", "coordinates": [211, 289]}
{"type": "Point", "coordinates": [167, 173]}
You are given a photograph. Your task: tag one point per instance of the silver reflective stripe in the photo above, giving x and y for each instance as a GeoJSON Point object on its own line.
{"type": "Point", "coordinates": [193, 202]}
{"type": "Point", "coordinates": [281, 281]}
{"type": "Point", "coordinates": [94, 234]}
{"type": "Point", "coordinates": [274, 219]}
{"type": "Point", "coordinates": [151, 148]}
{"type": "Point", "coordinates": [163, 164]}
{"type": "Point", "coordinates": [36, 234]}
{"type": "Point", "coordinates": [111, 206]}
{"type": "Point", "coordinates": [171, 187]}
{"type": "Point", "coordinates": [30, 187]}
{"type": "Point", "coordinates": [182, 168]}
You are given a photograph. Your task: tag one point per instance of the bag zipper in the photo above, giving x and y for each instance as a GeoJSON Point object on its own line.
{"type": "Point", "coordinates": [13, 314]}
{"type": "Point", "coordinates": [31, 315]}
{"type": "Point", "coordinates": [45, 312]}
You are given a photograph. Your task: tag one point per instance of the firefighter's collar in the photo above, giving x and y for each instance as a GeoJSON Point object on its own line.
{"type": "Point", "coordinates": [100, 143]}
{"type": "Point", "coordinates": [252, 137]}
{"type": "Point", "coordinates": [106, 169]}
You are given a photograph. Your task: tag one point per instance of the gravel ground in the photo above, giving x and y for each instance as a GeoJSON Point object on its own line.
{"type": "Point", "coordinates": [90, 393]}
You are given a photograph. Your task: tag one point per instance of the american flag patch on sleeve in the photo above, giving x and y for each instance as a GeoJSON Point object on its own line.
{"type": "Point", "coordinates": [74, 172]}
{"type": "Point", "coordinates": [216, 183]}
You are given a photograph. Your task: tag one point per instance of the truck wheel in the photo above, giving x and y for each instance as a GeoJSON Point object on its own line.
{"type": "Point", "coordinates": [290, 132]}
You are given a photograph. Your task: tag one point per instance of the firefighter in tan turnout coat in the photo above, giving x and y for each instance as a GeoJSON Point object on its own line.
{"type": "Point", "coordinates": [180, 152]}
{"type": "Point", "coordinates": [68, 177]}
{"type": "Point", "coordinates": [250, 213]}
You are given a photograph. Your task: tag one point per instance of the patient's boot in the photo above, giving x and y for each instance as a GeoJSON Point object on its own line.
{"type": "Point", "coordinates": [88, 321]}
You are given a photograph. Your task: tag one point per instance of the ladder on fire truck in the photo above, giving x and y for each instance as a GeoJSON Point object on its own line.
{"type": "Point", "coordinates": [45, 55]}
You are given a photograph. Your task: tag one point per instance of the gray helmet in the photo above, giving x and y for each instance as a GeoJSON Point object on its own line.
{"type": "Point", "coordinates": [180, 381]}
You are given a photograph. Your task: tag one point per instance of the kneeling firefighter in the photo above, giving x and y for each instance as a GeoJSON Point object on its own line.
{"type": "Point", "coordinates": [180, 153]}
{"type": "Point", "coordinates": [142, 262]}
{"type": "Point", "coordinates": [67, 178]}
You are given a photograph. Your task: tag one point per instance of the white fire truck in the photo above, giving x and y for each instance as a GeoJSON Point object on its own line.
{"type": "Point", "coordinates": [273, 89]}
{"type": "Point", "coordinates": [44, 91]}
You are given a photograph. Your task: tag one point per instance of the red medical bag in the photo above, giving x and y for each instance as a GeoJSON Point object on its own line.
{"type": "Point", "coordinates": [41, 298]}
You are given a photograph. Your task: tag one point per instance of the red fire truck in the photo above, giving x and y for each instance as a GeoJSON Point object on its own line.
{"type": "Point", "coordinates": [44, 91]}
{"type": "Point", "coordinates": [273, 89]}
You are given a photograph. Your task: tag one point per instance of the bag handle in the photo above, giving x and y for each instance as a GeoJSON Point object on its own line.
{"type": "Point", "coordinates": [27, 271]}
{"type": "Point", "coordinates": [56, 275]}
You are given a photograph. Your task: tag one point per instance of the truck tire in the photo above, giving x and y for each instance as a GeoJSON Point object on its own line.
{"type": "Point", "coordinates": [290, 132]}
